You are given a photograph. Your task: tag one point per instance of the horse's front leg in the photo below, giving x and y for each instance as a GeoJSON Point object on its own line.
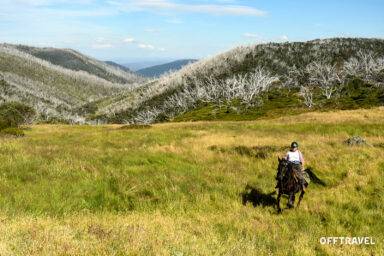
{"type": "Point", "coordinates": [278, 202]}
{"type": "Point", "coordinates": [293, 201]}
{"type": "Point", "coordinates": [289, 200]}
{"type": "Point", "coordinates": [301, 197]}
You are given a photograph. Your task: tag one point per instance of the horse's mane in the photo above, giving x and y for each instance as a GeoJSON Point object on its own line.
{"type": "Point", "coordinates": [289, 166]}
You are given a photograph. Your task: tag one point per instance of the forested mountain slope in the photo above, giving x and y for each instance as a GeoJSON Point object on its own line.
{"type": "Point", "coordinates": [73, 60]}
{"type": "Point", "coordinates": [312, 75]}
{"type": "Point", "coordinates": [54, 91]}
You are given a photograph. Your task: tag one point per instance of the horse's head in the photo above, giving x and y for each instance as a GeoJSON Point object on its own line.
{"type": "Point", "coordinates": [282, 168]}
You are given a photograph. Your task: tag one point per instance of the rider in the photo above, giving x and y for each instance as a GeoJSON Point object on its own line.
{"type": "Point", "coordinates": [295, 157]}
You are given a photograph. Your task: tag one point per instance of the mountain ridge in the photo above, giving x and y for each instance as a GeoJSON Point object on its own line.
{"type": "Point", "coordinates": [74, 60]}
{"type": "Point", "coordinates": [159, 70]}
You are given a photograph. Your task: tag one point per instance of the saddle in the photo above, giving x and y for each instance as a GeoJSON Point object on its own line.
{"type": "Point", "coordinates": [298, 176]}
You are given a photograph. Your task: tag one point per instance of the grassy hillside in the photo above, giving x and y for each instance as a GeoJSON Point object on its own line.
{"type": "Point", "coordinates": [188, 189]}
{"type": "Point", "coordinates": [118, 66]}
{"type": "Point", "coordinates": [324, 70]}
{"type": "Point", "coordinates": [73, 60]}
{"type": "Point", "coordinates": [52, 90]}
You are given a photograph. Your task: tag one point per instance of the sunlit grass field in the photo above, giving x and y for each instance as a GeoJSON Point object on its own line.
{"type": "Point", "coordinates": [179, 188]}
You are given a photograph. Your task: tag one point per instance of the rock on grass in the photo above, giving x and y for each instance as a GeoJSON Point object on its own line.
{"type": "Point", "coordinates": [356, 141]}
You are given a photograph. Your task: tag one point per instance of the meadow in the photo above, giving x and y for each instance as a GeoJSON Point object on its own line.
{"type": "Point", "coordinates": [191, 188]}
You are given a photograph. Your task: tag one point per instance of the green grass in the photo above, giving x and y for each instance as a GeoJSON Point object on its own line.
{"type": "Point", "coordinates": [177, 188]}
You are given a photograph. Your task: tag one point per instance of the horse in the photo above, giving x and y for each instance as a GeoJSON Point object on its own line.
{"type": "Point", "coordinates": [288, 185]}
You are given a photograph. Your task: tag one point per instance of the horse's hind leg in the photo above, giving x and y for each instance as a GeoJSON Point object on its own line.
{"type": "Point", "coordinates": [301, 197]}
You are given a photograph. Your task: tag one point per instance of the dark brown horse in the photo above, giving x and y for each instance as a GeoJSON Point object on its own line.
{"type": "Point", "coordinates": [288, 185]}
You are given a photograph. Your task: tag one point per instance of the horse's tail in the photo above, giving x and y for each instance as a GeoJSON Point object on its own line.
{"type": "Point", "coordinates": [313, 177]}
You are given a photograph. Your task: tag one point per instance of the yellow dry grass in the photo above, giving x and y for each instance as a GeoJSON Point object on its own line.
{"type": "Point", "coordinates": [194, 205]}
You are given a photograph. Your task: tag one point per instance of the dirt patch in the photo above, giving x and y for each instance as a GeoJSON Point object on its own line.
{"type": "Point", "coordinates": [98, 231]}
{"type": "Point", "coordinates": [134, 126]}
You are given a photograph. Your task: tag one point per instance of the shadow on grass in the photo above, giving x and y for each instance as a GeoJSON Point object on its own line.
{"type": "Point", "coordinates": [256, 197]}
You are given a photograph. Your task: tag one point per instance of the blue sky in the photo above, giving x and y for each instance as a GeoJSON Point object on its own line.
{"type": "Point", "coordinates": [134, 30]}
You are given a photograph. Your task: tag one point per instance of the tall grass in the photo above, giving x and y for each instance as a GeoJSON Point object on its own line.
{"type": "Point", "coordinates": [177, 188]}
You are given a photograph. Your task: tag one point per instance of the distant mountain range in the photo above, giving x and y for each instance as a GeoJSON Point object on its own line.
{"type": "Point", "coordinates": [158, 70]}
{"type": "Point", "coordinates": [136, 65]}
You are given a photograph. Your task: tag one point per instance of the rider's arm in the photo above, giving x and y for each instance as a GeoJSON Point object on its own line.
{"type": "Point", "coordinates": [301, 160]}
{"type": "Point", "coordinates": [286, 156]}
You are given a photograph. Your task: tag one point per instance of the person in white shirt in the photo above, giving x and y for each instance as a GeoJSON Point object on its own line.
{"type": "Point", "coordinates": [295, 157]}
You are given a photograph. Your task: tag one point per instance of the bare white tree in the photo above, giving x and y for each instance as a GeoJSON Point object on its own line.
{"type": "Point", "coordinates": [366, 66]}
{"type": "Point", "coordinates": [147, 116]}
{"type": "Point", "coordinates": [219, 92]}
{"type": "Point", "coordinates": [307, 93]}
{"type": "Point", "coordinates": [257, 82]}
{"type": "Point", "coordinates": [291, 80]}
{"type": "Point", "coordinates": [324, 76]}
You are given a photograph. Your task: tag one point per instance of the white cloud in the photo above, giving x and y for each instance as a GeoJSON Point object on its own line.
{"type": "Point", "coordinates": [129, 40]}
{"type": "Point", "coordinates": [150, 47]}
{"type": "Point", "coordinates": [146, 46]}
{"type": "Point", "coordinates": [101, 46]}
{"type": "Point", "coordinates": [166, 6]}
{"type": "Point", "coordinates": [284, 37]}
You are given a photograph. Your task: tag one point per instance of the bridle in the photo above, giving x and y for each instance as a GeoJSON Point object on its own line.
{"type": "Point", "coordinates": [282, 169]}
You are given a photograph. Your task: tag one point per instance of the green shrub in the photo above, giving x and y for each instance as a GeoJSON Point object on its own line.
{"type": "Point", "coordinates": [3, 125]}
{"type": "Point", "coordinates": [11, 131]}
{"type": "Point", "coordinates": [16, 113]}
{"type": "Point", "coordinates": [53, 120]}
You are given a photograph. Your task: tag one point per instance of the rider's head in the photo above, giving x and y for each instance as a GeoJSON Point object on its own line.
{"type": "Point", "coordinates": [294, 146]}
